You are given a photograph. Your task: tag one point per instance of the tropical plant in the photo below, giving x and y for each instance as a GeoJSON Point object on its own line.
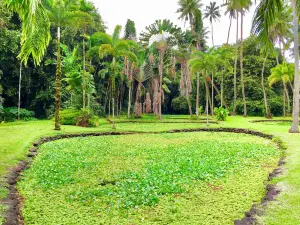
{"type": "Point", "coordinates": [115, 47]}
{"type": "Point", "coordinates": [35, 28]}
{"type": "Point", "coordinates": [60, 13]}
{"type": "Point", "coordinates": [212, 12]}
{"type": "Point", "coordinates": [188, 10]}
{"type": "Point", "coordinates": [283, 73]}
{"type": "Point", "coordinates": [221, 113]}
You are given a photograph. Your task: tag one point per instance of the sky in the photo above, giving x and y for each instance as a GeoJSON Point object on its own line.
{"type": "Point", "coordinates": [145, 12]}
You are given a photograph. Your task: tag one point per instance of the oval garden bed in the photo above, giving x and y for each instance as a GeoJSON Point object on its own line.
{"type": "Point", "coordinates": [169, 178]}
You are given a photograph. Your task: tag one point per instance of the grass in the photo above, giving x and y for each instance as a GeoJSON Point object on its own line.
{"type": "Point", "coordinates": [16, 138]}
{"type": "Point", "coordinates": [127, 179]}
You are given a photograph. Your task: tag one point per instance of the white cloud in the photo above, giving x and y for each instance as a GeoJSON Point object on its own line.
{"type": "Point", "coordinates": [145, 12]}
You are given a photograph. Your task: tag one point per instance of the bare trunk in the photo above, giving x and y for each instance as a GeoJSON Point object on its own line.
{"type": "Point", "coordinates": [113, 106]}
{"type": "Point", "coordinates": [207, 93]}
{"type": "Point", "coordinates": [212, 94]}
{"type": "Point", "coordinates": [268, 114]}
{"type": "Point", "coordinates": [242, 68]}
{"type": "Point", "coordinates": [161, 58]}
{"type": "Point", "coordinates": [284, 107]}
{"type": "Point", "coordinates": [19, 96]}
{"type": "Point", "coordinates": [295, 125]}
{"type": "Point", "coordinates": [197, 97]}
{"type": "Point", "coordinates": [83, 71]}
{"type": "Point", "coordinates": [212, 34]}
{"type": "Point", "coordinates": [129, 101]}
{"type": "Point", "coordinates": [58, 83]}
{"type": "Point", "coordinates": [229, 30]}
{"type": "Point", "coordinates": [287, 98]}
{"type": "Point", "coordinates": [222, 88]}
{"type": "Point", "coordinates": [190, 105]}
{"type": "Point", "coordinates": [235, 65]}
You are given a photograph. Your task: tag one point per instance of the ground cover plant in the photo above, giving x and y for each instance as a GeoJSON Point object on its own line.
{"type": "Point", "coordinates": [150, 179]}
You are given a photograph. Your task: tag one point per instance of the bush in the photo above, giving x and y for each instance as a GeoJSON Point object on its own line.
{"type": "Point", "coordinates": [69, 116]}
{"type": "Point", "coordinates": [201, 110]}
{"type": "Point", "coordinates": [254, 108]}
{"type": "Point", "coordinates": [221, 113]}
{"type": "Point", "coordinates": [11, 114]}
{"type": "Point", "coordinates": [180, 105]}
{"type": "Point", "coordinates": [82, 118]}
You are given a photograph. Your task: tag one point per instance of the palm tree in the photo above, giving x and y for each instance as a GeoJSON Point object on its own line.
{"type": "Point", "coordinates": [115, 47]}
{"type": "Point", "coordinates": [60, 13]}
{"type": "Point", "coordinates": [35, 28]}
{"type": "Point", "coordinates": [267, 109]}
{"type": "Point", "coordinates": [264, 16]}
{"type": "Point", "coordinates": [187, 11]}
{"type": "Point", "coordinates": [213, 13]}
{"type": "Point", "coordinates": [232, 15]}
{"type": "Point", "coordinates": [282, 73]}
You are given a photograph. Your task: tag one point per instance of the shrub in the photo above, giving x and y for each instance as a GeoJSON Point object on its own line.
{"type": "Point", "coordinates": [11, 114]}
{"type": "Point", "coordinates": [180, 105]}
{"type": "Point", "coordinates": [82, 118]}
{"type": "Point", "coordinates": [221, 113]}
{"type": "Point", "coordinates": [254, 108]}
{"type": "Point", "coordinates": [201, 110]}
{"type": "Point", "coordinates": [69, 116]}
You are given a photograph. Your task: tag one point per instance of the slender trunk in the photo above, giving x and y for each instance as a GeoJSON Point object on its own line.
{"type": "Point", "coordinates": [242, 68]}
{"type": "Point", "coordinates": [190, 105]}
{"type": "Point", "coordinates": [287, 98]}
{"type": "Point", "coordinates": [222, 88]}
{"type": "Point", "coordinates": [284, 107]}
{"type": "Point", "coordinates": [83, 70]}
{"type": "Point", "coordinates": [235, 64]}
{"type": "Point", "coordinates": [58, 83]}
{"type": "Point", "coordinates": [113, 106]}
{"type": "Point", "coordinates": [89, 101]}
{"type": "Point", "coordinates": [207, 93]}
{"type": "Point", "coordinates": [129, 101]}
{"type": "Point", "coordinates": [268, 114]}
{"type": "Point", "coordinates": [161, 57]}
{"type": "Point", "coordinates": [295, 125]}
{"type": "Point", "coordinates": [19, 96]}
{"type": "Point", "coordinates": [229, 29]}
{"type": "Point", "coordinates": [212, 34]}
{"type": "Point", "coordinates": [212, 94]}
{"type": "Point", "coordinates": [219, 93]}
{"type": "Point", "coordinates": [108, 107]}
{"type": "Point", "coordinates": [197, 97]}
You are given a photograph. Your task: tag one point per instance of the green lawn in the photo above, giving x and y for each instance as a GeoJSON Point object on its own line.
{"type": "Point", "coordinates": [16, 138]}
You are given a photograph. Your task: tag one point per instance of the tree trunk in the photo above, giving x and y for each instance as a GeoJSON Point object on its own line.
{"type": "Point", "coordinates": [235, 64]}
{"type": "Point", "coordinates": [242, 68]}
{"type": "Point", "coordinates": [284, 107]}
{"type": "Point", "coordinates": [222, 88]}
{"type": "Point", "coordinates": [83, 70]}
{"type": "Point", "coordinates": [207, 93]}
{"type": "Point", "coordinates": [19, 96]}
{"type": "Point", "coordinates": [113, 106]}
{"type": "Point", "coordinates": [268, 114]}
{"type": "Point", "coordinates": [229, 29]}
{"type": "Point", "coordinates": [212, 94]}
{"type": "Point", "coordinates": [161, 58]}
{"type": "Point", "coordinates": [190, 105]}
{"type": "Point", "coordinates": [212, 34]}
{"type": "Point", "coordinates": [295, 125]}
{"type": "Point", "coordinates": [287, 97]}
{"type": "Point", "coordinates": [197, 97]}
{"type": "Point", "coordinates": [58, 83]}
{"type": "Point", "coordinates": [129, 101]}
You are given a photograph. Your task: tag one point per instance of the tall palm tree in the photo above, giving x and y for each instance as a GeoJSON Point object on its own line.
{"type": "Point", "coordinates": [61, 13]}
{"type": "Point", "coordinates": [264, 16]}
{"type": "Point", "coordinates": [282, 73]}
{"type": "Point", "coordinates": [187, 10]}
{"type": "Point", "coordinates": [232, 15]}
{"type": "Point", "coordinates": [212, 12]}
{"type": "Point", "coordinates": [35, 28]}
{"type": "Point", "coordinates": [115, 47]}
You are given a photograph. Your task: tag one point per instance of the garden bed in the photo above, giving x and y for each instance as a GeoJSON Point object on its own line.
{"type": "Point", "coordinates": [81, 175]}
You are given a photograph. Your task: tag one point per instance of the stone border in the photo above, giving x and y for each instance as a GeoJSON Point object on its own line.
{"type": "Point", "coordinates": [14, 200]}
